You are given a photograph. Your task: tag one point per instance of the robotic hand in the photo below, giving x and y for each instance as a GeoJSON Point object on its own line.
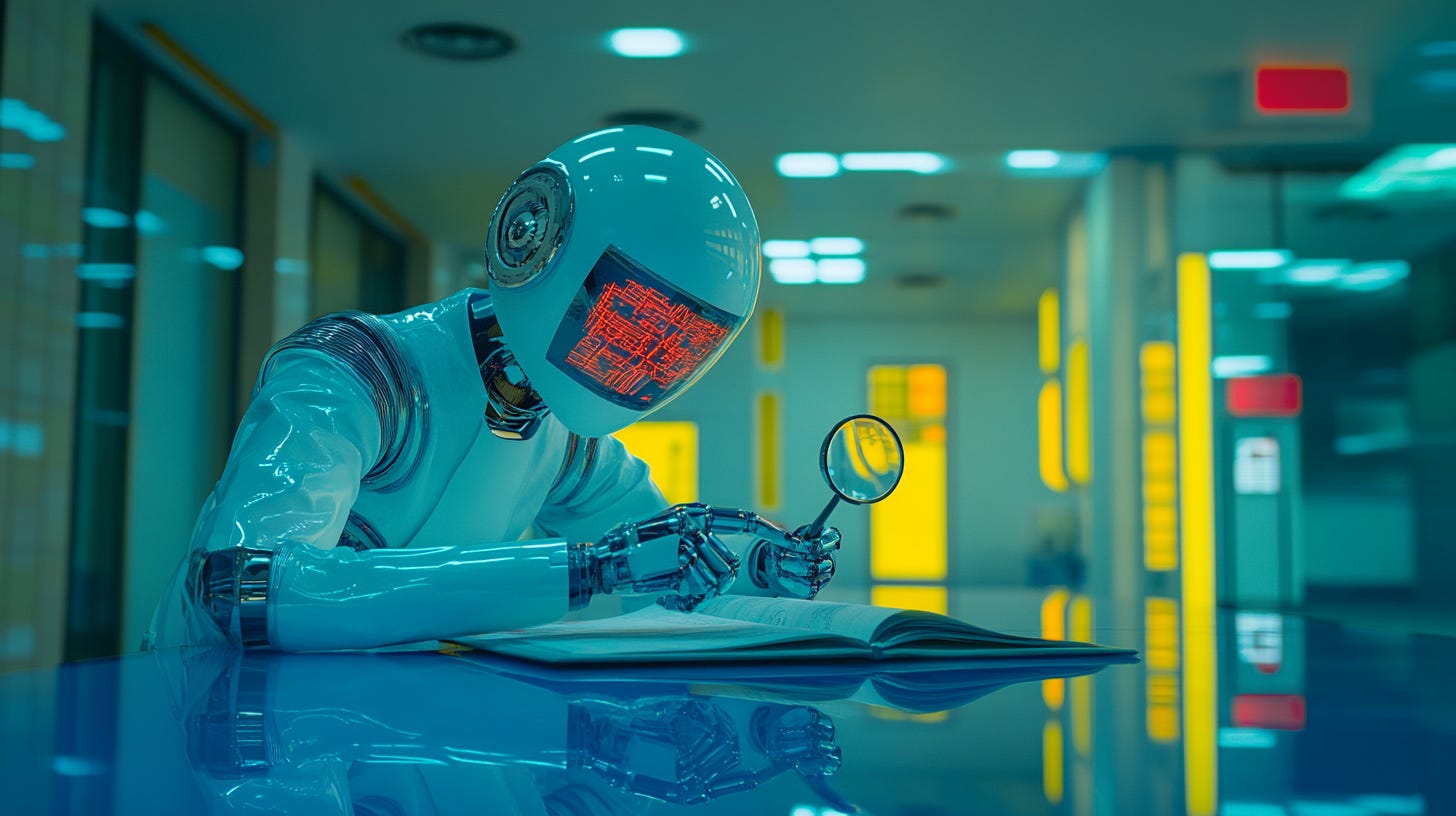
{"type": "Point", "coordinates": [689, 750]}
{"type": "Point", "coordinates": [630, 558]}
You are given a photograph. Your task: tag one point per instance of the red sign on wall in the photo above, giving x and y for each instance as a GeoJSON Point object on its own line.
{"type": "Point", "coordinates": [1302, 90]}
{"type": "Point", "coordinates": [1281, 395]}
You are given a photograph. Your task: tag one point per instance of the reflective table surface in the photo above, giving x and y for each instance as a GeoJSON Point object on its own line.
{"type": "Point", "coordinates": [1306, 718]}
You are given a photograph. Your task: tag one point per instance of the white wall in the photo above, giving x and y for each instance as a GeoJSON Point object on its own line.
{"type": "Point", "coordinates": [993, 482]}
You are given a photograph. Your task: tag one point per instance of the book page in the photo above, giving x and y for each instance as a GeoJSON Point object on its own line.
{"type": "Point", "coordinates": [848, 620]}
{"type": "Point", "coordinates": [655, 634]}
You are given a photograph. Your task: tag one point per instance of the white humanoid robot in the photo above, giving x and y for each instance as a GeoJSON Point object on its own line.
{"type": "Point", "coordinates": [388, 466]}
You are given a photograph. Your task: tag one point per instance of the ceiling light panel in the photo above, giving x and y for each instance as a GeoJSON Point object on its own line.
{"type": "Point", "coordinates": [836, 246]}
{"type": "Point", "coordinates": [807, 165]}
{"type": "Point", "coordinates": [786, 249]}
{"type": "Point", "coordinates": [792, 270]}
{"type": "Point", "coordinates": [840, 270]}
{"type": "Point", "coordinates": [647, 43]}
{"type": "Point", "coordinates": [912, 162]}
{"type": "Point", "coordinates": [1249, 258]}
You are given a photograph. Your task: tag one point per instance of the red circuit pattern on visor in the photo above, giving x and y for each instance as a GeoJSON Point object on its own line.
{"type": "Point", "coordinates": [640, 342]}
{"type": "Point", "coordinates": [633, 338]}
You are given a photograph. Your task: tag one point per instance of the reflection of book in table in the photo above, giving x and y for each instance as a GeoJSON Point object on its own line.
{"type": "Point", "coordinates": [735, 629]}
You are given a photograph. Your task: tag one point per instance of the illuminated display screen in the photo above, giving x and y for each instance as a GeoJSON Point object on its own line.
{"type": "Point", "coordinates": [632, 337]}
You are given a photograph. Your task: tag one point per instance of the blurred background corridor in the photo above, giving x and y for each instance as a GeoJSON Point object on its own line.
{"type": "Point", "coordinates": [1161, 297]}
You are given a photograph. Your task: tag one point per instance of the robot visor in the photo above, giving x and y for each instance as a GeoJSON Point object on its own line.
{"type": "Point", "coordinates": [635, 339]}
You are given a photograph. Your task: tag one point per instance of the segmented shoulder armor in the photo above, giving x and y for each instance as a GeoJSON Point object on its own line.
{"type": "Point", "coordinates": [369, 348]}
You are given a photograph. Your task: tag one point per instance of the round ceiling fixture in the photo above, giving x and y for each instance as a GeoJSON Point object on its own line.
{"type": "Point", "coordinates": [668, 120]}
{"type": "Point", "coordinates": [927, 211]}
{"type": "Point", "coordinates": [461, 42]}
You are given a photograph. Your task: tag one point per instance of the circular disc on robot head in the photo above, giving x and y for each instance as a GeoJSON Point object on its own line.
{"type": "Point", "coordinates": [529, 225]}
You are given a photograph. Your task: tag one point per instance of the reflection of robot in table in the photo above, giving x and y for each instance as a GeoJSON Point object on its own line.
{"type": "Point", "coordinates": [387, 466]}
{"type": "Point", "coordinates": [312, 733]}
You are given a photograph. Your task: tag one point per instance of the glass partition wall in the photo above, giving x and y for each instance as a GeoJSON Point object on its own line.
{"type": "Point", "coordinates": [161, 264]}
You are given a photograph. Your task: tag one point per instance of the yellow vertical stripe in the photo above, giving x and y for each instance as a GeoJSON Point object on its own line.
{"type": "Point", "coordinates": [1052, 761]}
{"type": "Point", "coordinates": [771, 338]}
{"type": "Point", "coordinates": [898, 596]}
{"type": "Point", "coordinates": [1049, 331]}
{"type": "Point", "coordinates": [1079, 414]}
{"type": "Point", "coordinates": [768, 422]}
{"type": "Point", "coordinates": [1196, 521]}
{"type": "Point", "coordinates": [1049, 436]}
{"type": "Point", "coordinates": [1079, 627]}
{"type": "Point", "coordinates": [1054, 627]}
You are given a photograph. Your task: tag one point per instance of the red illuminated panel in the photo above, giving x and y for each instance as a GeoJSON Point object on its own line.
{"type": "Point", "coordinates": [639, 342]}
{"type": "Point", "coordinates": [1302, 90]}
{"type": "Point", "coordinates": [1278, 712]}
{"type": "Point", "coordinates": [1277, 396]}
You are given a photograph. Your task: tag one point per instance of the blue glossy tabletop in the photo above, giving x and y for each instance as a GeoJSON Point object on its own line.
{"type": "Point", "coordinates": [1311, 719]}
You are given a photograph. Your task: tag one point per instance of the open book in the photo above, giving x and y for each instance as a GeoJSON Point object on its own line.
{"type": "Point", "coordinates": [734, 629]}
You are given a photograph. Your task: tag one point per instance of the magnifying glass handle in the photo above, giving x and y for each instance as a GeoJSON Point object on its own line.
{"type": "Point", "coordinates": [818, 526]}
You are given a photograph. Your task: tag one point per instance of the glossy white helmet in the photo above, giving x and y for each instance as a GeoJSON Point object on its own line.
{"type": "Point", "coordinates": [621, 267]}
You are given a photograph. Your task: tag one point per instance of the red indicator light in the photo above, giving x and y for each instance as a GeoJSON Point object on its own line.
{"type": "Point", "coordinates": [1305, 90]}
{"type": "Point", "coordinates": [641, 343]}
{"type": "Point", "coordinates": [1277, 396]}
{"type": "Point", "coordinates": [1277, 712]}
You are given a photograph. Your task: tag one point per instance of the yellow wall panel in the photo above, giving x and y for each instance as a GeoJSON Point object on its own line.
{"type": "Point", "coordinates": [924, 598]}
{"type": "Point", "coordinates": [908, 530]}
{"type": "Point", "coordinates": [670, 449]}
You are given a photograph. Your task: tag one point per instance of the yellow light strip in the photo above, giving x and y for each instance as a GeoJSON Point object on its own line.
{"type": "Point", "coordinates": [1053, 752]}
{"type": "Point", "coordinates": [206, 77]}
{"type": "Point", "coordinates": [1049, 334]}
{"type": "Point", "coordinates": [1161, 652]}
{"type": "Point", "coordinates": [1054, 627]}
{"type": "Point", "coordinates": [1196, 521]}
{"type": "Point", "coordinates": [768, 422]}
{"type": "Point", "coordinates": [771, 338]}
{"type": "Point", "coordinates": [1049, 436]}
{"type": "Point", "coordinates": [1079, 414]}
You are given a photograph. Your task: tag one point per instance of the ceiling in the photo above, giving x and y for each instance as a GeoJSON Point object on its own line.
{"type": "Point", "coordinates": [440, 140]}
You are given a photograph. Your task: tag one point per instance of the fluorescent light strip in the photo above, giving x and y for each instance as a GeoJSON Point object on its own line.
{"type": "Point", "coordinates": [595, 153]}
{"type": "Point", "coordinates": [836, 246]}
{"type": "Point", "coordinates": [1033, 159]}
{"type": "Point", "coordinates": [1240, 365]}
{"type": "Point", "coordinates": [786, 249]}
{"type": "Point", "coordinates": [1249, 258]}
{"type": "Point", "coordinates": [1369, 277]}
{"type": "Point", "coordinates": [792, 270]}
{"type": "Point", "coordinates": [807, 165]}
{"type": "Point", "coordinates": [840, 270]}
{"type": "Point", "coordinates": [1314, 273]}
{"type": "Point", "coordinates": [911, 162]}
{"type": "Point", "coordinates": [658, 150]}
{"type": "Point", "coordinates": [647, 43]}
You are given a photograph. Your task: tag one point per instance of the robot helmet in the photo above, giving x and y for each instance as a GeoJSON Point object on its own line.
{"type": "Point", "coordinates": [621, 267]}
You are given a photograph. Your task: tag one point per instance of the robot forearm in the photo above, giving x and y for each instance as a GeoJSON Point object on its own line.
{"type": "Point", "coordinates": [302, 598]}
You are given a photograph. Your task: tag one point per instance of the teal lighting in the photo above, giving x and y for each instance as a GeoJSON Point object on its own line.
{"type": "Point", "coordinates": [1241, 365]}
{"type": "Point", "coordinates": [792, 270]}
{"type": "Point", "coordinates": [1370, 277]}
{"type": "Point", "coordinates": [647, 43]}
{"type": "Point", "coordinates": [909, 162]}
{"type": "Point", "coordinates": [785, 249]}
{"type": "Point", "coordinates": [1054, 163]}
{"type": "Point", "coordinates": [1249, 258]}
{"type": "Point", "coordinates": [807, 165]}
{"type": "Point", "coordinates": [1422, 170]}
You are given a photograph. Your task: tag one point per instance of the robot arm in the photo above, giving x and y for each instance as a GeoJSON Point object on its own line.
{"type": "Point", "coordinates": [265, 568]}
